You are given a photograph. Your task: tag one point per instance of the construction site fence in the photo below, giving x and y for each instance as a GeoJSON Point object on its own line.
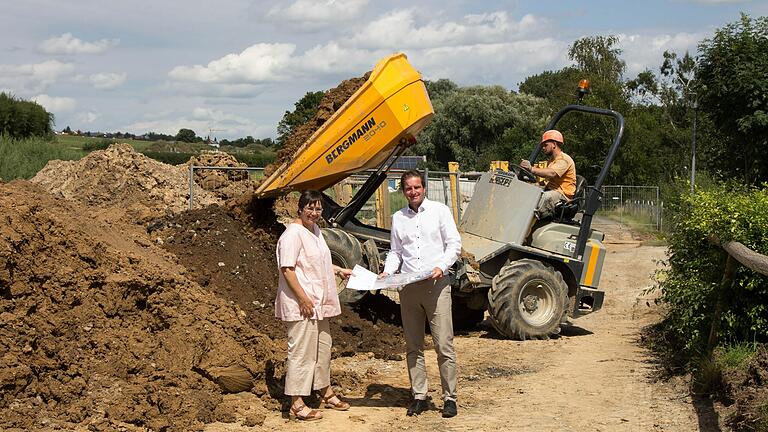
{"type": "Point", "coordinates": [628, 204]}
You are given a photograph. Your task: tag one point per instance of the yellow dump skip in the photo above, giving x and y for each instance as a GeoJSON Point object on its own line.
{"type": "Point", "coordinates": [393, 104]}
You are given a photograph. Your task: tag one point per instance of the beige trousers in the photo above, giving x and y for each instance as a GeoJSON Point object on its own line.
{"type": "Point", "coordinates": [429, 300]}
{"type": "Point", "coordinates": [309, 357]}
{"type": "Point", "coordinates": [547, 203]}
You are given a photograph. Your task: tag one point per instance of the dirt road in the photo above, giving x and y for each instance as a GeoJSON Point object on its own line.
{"type": "Point", "coordinates": [595, 377]}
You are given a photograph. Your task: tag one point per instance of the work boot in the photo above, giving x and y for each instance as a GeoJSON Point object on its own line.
{"type": "Point", "coordinates": [449, 409]}
{"type": "Point", "coordinates": [417, 407]}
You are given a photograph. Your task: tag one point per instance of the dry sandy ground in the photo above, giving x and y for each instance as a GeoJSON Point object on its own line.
{"type": "Point", "coordinates": [595, 377]}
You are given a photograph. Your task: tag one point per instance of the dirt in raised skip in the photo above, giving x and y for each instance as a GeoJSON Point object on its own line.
{"type": "Point", "coordinates": [99, 329]}
{"type": "Point", "coordinates": [332, 100]}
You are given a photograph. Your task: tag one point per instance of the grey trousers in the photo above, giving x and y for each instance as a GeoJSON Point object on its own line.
{"type": "Point", "coordinates": [547, 203]}
{"type": "Point", "coordinates": [309, 356]}
{"type": "Point", "coordinates": [429, 300]}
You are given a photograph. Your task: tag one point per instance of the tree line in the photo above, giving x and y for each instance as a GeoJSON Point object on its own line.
{"type": "Point", "coordinates": [723, 92]}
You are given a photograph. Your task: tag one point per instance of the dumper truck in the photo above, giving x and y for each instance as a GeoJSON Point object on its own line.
{"type": "Point", "coordinates": [530, 275]}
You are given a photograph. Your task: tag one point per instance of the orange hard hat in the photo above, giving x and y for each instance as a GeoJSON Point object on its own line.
{"type": "Point", "coordinates": [552, 135]}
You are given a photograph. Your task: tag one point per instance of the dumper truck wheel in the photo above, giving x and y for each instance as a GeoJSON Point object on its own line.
{"type": "Point", "coordinates": [346, 252]}
{"type": "Point", "coordinates": [527, 300]}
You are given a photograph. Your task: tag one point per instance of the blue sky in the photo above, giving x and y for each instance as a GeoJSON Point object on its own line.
{"type": "Point", "coordinates": [237, 65]}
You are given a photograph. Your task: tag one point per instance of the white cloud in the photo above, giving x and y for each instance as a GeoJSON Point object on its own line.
{"type": "Point", "coordinates": [401, 29]}
{"type": "Point", "coordinates": [642, 52]}
{"type": "Point", "coordinates": [88, 117]}
{"type": "Point", "coordinates": [55, 104]}
{"type": "Point", "coordinates": [201, 120]}
{"type": "Point", "coordinates": [106, 81]}
{"type": "Point", "coordinates": [313, 14]}
{"type": "Point", "coordinates": [68, 44]}
{"type": "Point", "coordinates": [33, 78]}
{"type": "Point", "coordinates": [503, 63]}
{"type": "Point", "coordinates": [218, 117]}
{"type": "Point", "coordinates": [262, 62]}
{"type": "Point", "coordinates": [336, 59]}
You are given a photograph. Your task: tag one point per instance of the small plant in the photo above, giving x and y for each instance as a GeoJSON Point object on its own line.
{"type": "Point", "coordinates": [735, 356]}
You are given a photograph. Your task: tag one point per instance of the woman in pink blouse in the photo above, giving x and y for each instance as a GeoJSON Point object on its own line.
{"type": "Point", "coordinates": [306, 299]}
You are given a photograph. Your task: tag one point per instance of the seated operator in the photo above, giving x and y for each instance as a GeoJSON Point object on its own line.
{"type": "Point", "coordinates": [560, 174]}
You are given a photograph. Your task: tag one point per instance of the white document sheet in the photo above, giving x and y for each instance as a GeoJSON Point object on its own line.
{"type": "Point", "coordinates": [364, 280]}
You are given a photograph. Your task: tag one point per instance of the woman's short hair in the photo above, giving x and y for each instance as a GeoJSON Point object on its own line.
{"type": "Point", "coordinates": [408, 174]}
{"type": "Point", "coordinates": [309, 196]}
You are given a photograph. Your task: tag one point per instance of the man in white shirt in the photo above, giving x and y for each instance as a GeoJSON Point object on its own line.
{"type": "Point", "coordinates": [424, 237]}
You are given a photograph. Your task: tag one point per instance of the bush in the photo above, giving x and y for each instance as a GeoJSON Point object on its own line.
{"type": "Point", "coordinates": [691, 286]}
{"type": "Point", "coordinates": [24, 119]}
{"type": "Point", "coordinates": [255, 159]}
{"type": "Point", "coordinates": [92, 145]}
{"type": "Point", "coordinates": [23, 158]}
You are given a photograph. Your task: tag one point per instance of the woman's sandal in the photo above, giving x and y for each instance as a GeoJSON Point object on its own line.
{"type": "Point", "coordinates": [310, 415]}
{"type": "Point", "coordinates": [338, 406]}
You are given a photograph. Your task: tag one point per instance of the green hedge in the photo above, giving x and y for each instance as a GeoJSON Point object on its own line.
{"type": "Point", "coordinates": [255, 160]}
{"type": "Point", "coordinates": [692, 283]}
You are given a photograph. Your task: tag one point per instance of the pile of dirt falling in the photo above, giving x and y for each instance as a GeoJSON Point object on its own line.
{"type": "Point", "coordinates": [747, 391]}
{"type": "Point", "coordinates": [225, 184]}
{"type": "Point", "coordinates": [332, 100]}
{"type": "Point", "coordinates": [124, 181]}
{"type": "Point", "coordinates": [232, 253]}
{"type": "Point", "coordinates": [100, 329]}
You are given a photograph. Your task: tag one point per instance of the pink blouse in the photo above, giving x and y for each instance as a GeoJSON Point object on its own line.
{"type": "Point", "coordinates": [310, 257]}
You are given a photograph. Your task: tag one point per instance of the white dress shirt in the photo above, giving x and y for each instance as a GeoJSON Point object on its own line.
{"type": "Point", "coordinates": [423, 240]}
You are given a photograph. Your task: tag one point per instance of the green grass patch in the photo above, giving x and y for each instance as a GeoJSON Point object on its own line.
{"type": "Point", "coordinates": [735, 356]}
{"type": "Point", "coordinates": [23, 158]}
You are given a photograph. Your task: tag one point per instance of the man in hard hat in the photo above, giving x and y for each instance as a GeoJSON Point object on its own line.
{"type": "Point", "coordinates": [560, 174]}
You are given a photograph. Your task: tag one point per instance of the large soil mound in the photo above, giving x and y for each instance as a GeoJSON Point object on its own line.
{"type": "Point", "coordinates": [235, 259]}
{"type": "Point", "coordinates": [128, 183]}
{"type": "Point", "coordinates": [99, 329]}
{"type": "Point", "coordinates": [225, 184]}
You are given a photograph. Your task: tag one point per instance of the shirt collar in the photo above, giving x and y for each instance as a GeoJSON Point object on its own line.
{"type": "Point", "coordinates": [422, 207]}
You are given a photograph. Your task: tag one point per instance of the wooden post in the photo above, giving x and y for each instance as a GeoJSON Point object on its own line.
{"type": "Point", "coordinates": [730, 266]}
{"type": "Point", "coordinates": [453, 167]}
{"type": "Point", "coordinates": [343, 192]}
{"type": "Point", "coordinates": [383, 213]}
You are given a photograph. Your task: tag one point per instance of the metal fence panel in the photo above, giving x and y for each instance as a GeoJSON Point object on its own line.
{"type": "Point", "coordinates": [629, 204]}
{"type": "Point", "coordinates": [633, 205]}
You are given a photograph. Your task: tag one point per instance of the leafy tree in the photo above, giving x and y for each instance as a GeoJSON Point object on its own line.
{"type": "Point", "coordinates": [186, 135]}
{"type": "Point", "coordinates": [304, 109]}
{"type": "Point", "coordinates": [21, 119]}
{"type": "Point", "coordinates": [474, 125]}
{"type": "Point", "coordinates": [733, 89]}
{"type": "Point", "coordinates": [587, 137]}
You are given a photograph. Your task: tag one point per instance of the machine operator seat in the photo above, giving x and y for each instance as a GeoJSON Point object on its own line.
{"type": "Point", "coordinates": [566, 210]}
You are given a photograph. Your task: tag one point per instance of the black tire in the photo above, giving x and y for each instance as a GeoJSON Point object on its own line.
{"type": "Point", "coordinates": [527, 300]}
{"type": "Point", "coordinates": [346, 252]}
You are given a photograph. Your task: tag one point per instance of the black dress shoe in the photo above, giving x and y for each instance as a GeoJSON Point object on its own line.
{"type": "Point", "coordinates": [449, 409]}
{"type": "Point", "coordinates": [417, 407]}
